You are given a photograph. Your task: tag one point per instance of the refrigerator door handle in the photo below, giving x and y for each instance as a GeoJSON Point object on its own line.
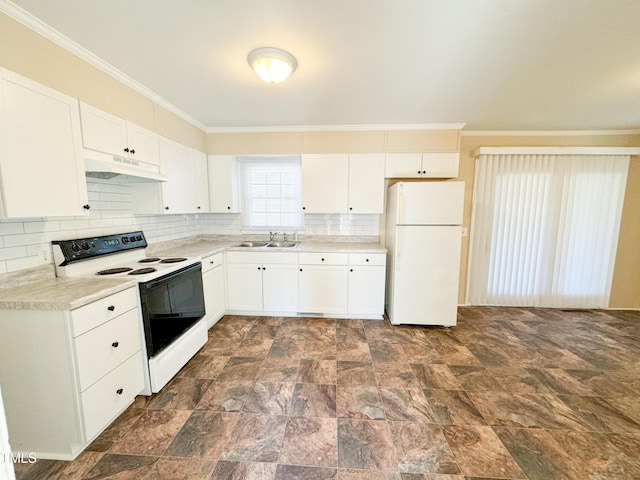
{"type": "Point", "coordinates": [400, 203]}
{"type": "Point", "coordinates": [399, 247]}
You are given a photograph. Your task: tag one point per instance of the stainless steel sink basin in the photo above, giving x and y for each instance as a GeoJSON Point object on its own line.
{"type": "Point", "coordinates": [282, 244]}
{"type": "Point", "coordinates": [252, 244]}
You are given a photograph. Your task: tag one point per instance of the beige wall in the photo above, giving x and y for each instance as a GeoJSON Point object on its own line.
{"type": "Point", "coordinates": [374, 141]}
{"type": "Point", "coordinates": [28, 53]}
{"type": "Point", "coordinates": [625, 291]}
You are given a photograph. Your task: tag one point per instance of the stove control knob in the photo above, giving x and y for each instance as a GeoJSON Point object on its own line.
{"type": "Point", "coordinates": [125, 239]}
{"type": "Point", "coordinates": [75, 247]}
{"type": "Point", "coordinates": [84, 245]}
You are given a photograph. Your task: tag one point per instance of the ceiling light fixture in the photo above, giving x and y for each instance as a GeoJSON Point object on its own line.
{"type": "Point", "coordinates": [272, 64]}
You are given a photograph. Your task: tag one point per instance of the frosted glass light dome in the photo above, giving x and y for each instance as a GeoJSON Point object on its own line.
{"type": "Point", "coordinates": [272, 65]}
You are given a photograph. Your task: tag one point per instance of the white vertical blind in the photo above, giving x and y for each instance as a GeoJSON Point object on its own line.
{"type": "Point", "coordinates": [544, 229]}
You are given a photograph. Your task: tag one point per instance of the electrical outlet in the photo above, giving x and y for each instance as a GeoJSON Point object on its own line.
{"type": "Point", "coordinates": [45, 254]}
{"type": "Point", "coordinates": [464, 231]}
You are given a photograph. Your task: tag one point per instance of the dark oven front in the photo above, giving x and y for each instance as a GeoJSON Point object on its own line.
{"type": "Point", "coordinates": [171, 304]}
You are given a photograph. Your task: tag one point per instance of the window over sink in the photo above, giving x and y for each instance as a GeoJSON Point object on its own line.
{"type": "Point", "coordinates": [271, 192]}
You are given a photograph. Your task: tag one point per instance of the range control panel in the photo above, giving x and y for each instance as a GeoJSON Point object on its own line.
{"type": "Point", "coordinates": [82, 248]}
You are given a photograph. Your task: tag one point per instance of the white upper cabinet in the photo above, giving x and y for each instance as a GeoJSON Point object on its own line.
{"type": "Point", "coordinates": [109, 134]}
{"type": "Point", "coordinates": [422, 165]}
{"type": "Point", "coordinates": [41, 165]}
{"type": "Point", "coordinates": [223, 184]}
{"type": "Point", "coordinates": [343, 183]}
{"type": "Point", "coordinates": [201, 179]}
{"type": "Point", "coordinates": [183, 192]}
{"type": "Point", "coordinates": [176, 163]}
{"type": "Point", "coordinates": [366, 183]}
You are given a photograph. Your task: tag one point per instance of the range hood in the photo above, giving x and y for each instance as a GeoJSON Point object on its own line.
{"type": "Point", "coordinates": [99, 165]}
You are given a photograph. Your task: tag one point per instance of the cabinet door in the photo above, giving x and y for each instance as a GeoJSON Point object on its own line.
{"type": "Point", "coordinates": [201, 179]}
{"type": "Point", "coordinates": [323, 289]}
{"type": "Point", "coordinates": [440, 165]}
{"type": "Point", "coordinates": [214, 294]}
{"type": "Point", "coordinates": [366, 290]}
{"type": "Point", "coordinates": [41, 160]}
{"type": "Point", "coordinates": [325, 183]}
{"type": "Point", "coordinates": [178, 194]}
{"type": "Point", "coordinates": [142, 144]}
{"type": "Point", "coordinates": [223, 189]}
{"type": "Point", "coordinates": [366, 183]}
{"type": "Point", "coordinates": [102, 131]}
{"type": "Point", "coordinates": [403, 165]}
{"type": "Point", "coordinates": [280, 288]}
{"type": "Point", "coordinates": [244, 286]}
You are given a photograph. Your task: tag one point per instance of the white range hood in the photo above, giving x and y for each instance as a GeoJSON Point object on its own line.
{"type": "Point", "coordinates": [100, 165]}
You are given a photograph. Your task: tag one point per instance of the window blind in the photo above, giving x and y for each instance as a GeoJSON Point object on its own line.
{"type": "Point", "coordinates": [544, 229]}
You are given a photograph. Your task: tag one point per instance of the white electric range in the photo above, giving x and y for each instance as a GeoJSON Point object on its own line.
{"type": "Point", "coordinates": [170, 291]}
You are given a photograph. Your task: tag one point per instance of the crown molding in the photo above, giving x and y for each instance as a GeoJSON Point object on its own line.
{"type": "Point", "coordinates": [338, 128]}
{"type": "Point", "coordinates": [547, 133]}
{"type": "Point", "coordinates": [65, 42]}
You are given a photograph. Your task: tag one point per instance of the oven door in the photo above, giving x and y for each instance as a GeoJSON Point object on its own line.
{"type": "Point", "coordinates": [170, 305]}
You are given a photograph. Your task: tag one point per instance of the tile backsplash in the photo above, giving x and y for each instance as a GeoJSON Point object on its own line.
{"type": "Point", "coordinates": [26, 243]}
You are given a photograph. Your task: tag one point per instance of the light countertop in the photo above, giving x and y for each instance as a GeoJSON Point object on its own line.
{"type": "Point", "coordinates": [69, 293]}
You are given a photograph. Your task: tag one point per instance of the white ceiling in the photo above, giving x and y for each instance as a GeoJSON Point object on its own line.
{"type": "Point", "coordinates": [492, 64]}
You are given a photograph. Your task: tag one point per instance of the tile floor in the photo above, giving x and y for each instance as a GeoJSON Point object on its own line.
{"type": "Point", "coordinates": [507, 394]}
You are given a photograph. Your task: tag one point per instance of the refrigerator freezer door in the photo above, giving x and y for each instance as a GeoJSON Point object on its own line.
{"type": "Point", "coordinates": [424, 275]}
{"type": "Point", "coordinates": [429, 203]}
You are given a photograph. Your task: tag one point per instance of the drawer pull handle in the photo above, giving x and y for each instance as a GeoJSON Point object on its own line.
{"type": "Point", "coordinates": [111, 308]}
{"type": "Point", "coordinates": [115, 344]}
{"type": "Point", "coordinates": [119, 391]}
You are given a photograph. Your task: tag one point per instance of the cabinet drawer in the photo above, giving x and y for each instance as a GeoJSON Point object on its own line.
{"type": "Point", "coordinates": [367, 259]}
{"type": "Point", "coordinates": [105, 347]}
{"type": "Point", "coordinates": [90, 316]}
{"type": "Point", "coordinates": [211, 262]}
{"type": "Point", "coordinates": [107, 398]}
{"type": "Point", "coordinates": [324, 258]}
{"type": "Point", "coordinates": [263, 257]}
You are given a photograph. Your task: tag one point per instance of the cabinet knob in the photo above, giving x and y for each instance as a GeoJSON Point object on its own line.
{"type": "Point", "coordinates": [119, 391]}
{"type": "Point", "coordinates": [366, 259]}
{"type": "Point", "coordinates": [304, 208]}
{"type": "Point", "coordinates": [126, 149]}
{"type": "Point", "coordinates": [322, 259]}
{"type": "Point", "coordinates": [351, 269]}
{"type": "Point", "coordinates": [350, 208]}
{"type": "Point", "coordinates": [228, 208]}
{"type": "Point", "coordinates": [198, 208]}
{"type": "Point", "coordinates": [424, 171]}
{"type": "Point", "coordinates": [166, 208]}
{"type": "Point", "coordinates": [263, 268]}
{"type": "Point", "coordinates": [211, 262]}
{"type": "Point", "coordinates": [419, 172]}
{"type": "Point", "coordinates": [300, 269]}
{"type": "Point", "coordinates": [133, 151]}
{"type": "Point", "coordinates": [111, 308]}
{"type": "Point", "coordinates": [115, 344]}
{"type": "Point", "coordinates": [259, 268]}
{"type": "Point", "coordinates": [86, 207]}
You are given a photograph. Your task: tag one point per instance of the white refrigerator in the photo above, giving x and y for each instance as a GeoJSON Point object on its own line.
{"type": "Point", "coordinates": [423, 239]}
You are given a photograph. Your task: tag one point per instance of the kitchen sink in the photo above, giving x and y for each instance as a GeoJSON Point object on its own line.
{"type": "Point", "coordinates": [282, 244]}
{"type": "Point", "coordinates": [252, 244]}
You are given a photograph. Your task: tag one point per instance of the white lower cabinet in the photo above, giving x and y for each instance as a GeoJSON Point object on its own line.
{"type": "Point", "coordinates": [262, 282]}
{"type": "Point", "coordinates": [87, 369]}
{"type": "Point", "coordinates": [213, 285]}
{"type": "Point", "coordinates": [342, 284]}
{"type": "Point", "coordinates": [366, 284]}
